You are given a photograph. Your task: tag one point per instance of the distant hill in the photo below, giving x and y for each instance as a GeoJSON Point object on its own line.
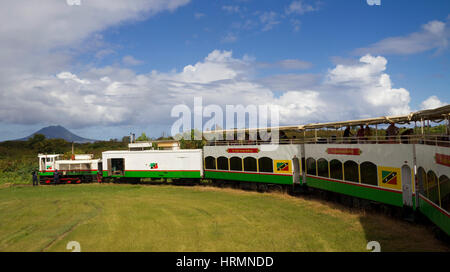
{"type": "Point", "coordinates": [59, 132]}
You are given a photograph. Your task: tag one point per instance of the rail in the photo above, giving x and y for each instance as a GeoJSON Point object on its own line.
{"type": "Point", "coordinates": [437, 140]}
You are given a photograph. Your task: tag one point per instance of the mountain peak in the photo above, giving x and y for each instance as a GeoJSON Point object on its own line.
{"type": "Point", "coordinates": [59, 132]}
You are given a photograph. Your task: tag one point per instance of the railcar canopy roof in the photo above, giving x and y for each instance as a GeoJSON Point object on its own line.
{"type": "Point", "coordinates": [435, 115]}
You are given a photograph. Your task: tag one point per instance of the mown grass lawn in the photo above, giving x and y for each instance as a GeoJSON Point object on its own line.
{"type": "Point", "coordinates": [103, 217]}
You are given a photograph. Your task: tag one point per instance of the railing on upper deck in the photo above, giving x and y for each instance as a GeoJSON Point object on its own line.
{"type": "Point", "coordinates": [437, 140]}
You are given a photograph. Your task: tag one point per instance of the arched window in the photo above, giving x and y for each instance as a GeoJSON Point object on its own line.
{"type": "Point", "coordinates": [336, 169]}
{"type": "Point", "coordinates": [444, 185]}
{"type": "Point", "coordinates": [369, 173]}
{"type": "Point", "coordinates": [210, 163]}
{"type": "Point", "coordinates": [432, 187]}
{"type": "Point", "coordinates": [250, 164]}
{"type": "Point", "coordinates": [222, 163]}
{"type": "Point", "coordinates": [265, 165]}
{"type": "Point", "coordinates": [351, 171]}
{"type": "Point", "coordinates": [311, 167]}
{"type": "Point", "coordinates": [422, 178]}
{"type": "Point", "coordinates": [236, 164]}
{"type": "Point", "coordinates": [322, 168]}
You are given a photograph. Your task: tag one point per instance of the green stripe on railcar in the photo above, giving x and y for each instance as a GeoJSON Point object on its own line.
{"type": "Point", "coordinates": [156, 174]}
{"type": "Point", "coordinates": [357, 190]}
{"type": "Point", "coordinates": [245, 176]}
{"type": "Point", "coordinates": [437, 216]}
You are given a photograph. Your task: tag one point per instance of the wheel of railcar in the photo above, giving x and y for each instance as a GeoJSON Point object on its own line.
{"type": "Point", "coordinates": [276, 188]}
{"type": "Point", "coordinates": [262, 188]}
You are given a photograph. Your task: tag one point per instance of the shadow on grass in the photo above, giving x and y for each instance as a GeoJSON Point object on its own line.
{"type": "Point", "coordinates": [386, 225]}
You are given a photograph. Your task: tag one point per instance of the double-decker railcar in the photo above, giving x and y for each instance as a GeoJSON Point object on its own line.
{"type": "Point", "coordinates": [410, 172]}
{"type": "Point", "coordinates": [262, 164]}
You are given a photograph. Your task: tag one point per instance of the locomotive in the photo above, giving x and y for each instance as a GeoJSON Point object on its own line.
{"type": "Point", "coordinates": [408, 172]}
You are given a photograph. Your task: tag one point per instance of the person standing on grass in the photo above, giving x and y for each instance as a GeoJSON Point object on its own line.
{"type": "Point", "coordinates": [56, 176]}
{"type": "Point", "coordinates": [35, 179]}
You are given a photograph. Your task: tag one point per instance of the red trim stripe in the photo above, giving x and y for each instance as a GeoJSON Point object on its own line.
{"type": "Point", "coordinates": [434, 205]}
{"type": "Point", "coordinates": [356, 184]}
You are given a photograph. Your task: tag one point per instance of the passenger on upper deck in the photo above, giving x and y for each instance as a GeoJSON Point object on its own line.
{"type": "Point", "coordinates": [404, 135]}
{"type": "Point", "coordinates": [360, 134]}
{"type": "Point", "coordinates": [347, 133]}
{"type": "Point", "coordinates": [367, 132]}
{"type": "Point", "coordinates": [391, 132]}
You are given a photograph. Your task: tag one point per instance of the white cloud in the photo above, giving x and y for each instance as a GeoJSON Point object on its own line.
{"type": "Point", "coordinates": [199, 15]}
{"type": "Point", "coordinates": [370, 87]}
{"type": "Point", "coordinates": [299, 7]}
{"type": "Point", "coordinates": [42, 36]}
{"type": "Point", "coordinates": [433, 35]}
{"type": "Point", "coordinates": [112, 96]}
{"type": "Point", "coordinates": [432, 102]}
{"type": "Point", "coordinates": [296, 24]}
{"type": "Point", "coordinates": [69, 76]}
{"type": "Point", "coordinates": [231, 9]}
{"type": "Point", "coordinates": [230, 38]}
{"type": "Point", "coordinates": [131, 61]}
{"type": "Point", "coordinates": [294, 64]}
{"type": "Point", "coordinates": [269, 19]}
{"type": "Point", "coordinates": [287, 64]}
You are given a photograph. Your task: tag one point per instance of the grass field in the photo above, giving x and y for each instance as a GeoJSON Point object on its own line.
{"type": "Point", "coordinates": [172, 218]}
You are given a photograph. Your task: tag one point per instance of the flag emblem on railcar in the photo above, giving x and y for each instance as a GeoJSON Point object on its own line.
{"type": "Point", "coordinates": [282, 166]}
{"type": "Point", "coordinates": [389, 177]}
{"type": "Point", "coordinates": [154, 165]}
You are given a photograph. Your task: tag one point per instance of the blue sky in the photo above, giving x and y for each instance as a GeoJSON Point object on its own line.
{"type": "Point", "coordinates": [103, 70]}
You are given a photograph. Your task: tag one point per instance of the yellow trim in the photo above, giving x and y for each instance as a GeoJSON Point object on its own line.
{"type": "Point", "coordinates": [317, 168]}
{"type": "Point", "coordinates": [390, 169]}
{"type": "Point", "coordinates": [275, 169]}
{"type": "Point", "coordinates": [359, 173]}
{"type": "Point", "coordinates": [329, 170]}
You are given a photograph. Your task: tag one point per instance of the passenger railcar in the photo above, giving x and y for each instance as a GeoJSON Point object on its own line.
{"type": "Point", "coordinates": [132, 165]}
{"type": "Point", "coordinates": [253, 163]}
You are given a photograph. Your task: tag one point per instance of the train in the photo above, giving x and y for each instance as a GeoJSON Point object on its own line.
{"type": "Point", "coordinates": [407, 172]}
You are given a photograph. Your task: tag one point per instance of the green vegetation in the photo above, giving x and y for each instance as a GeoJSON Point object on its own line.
{"type": "Point", "coordinates": [104, 217]}
{"type": "Point", "coordinates": [18, 159]}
